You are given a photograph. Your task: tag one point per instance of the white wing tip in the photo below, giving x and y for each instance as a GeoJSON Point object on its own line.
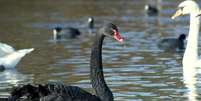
{"type": "Point", "coordinates": [31, 49]}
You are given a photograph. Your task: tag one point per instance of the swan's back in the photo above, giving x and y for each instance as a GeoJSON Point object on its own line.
{"type": "Point", "coordinates": [53, 91]}
{"type": "Point", "coordinates": [12, 59]}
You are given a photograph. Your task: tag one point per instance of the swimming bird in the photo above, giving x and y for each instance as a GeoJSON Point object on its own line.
{"type": "Point", "coordinates": [57, 91]}
{"type": "Point", "coordinates": [91, 24]}
{"type": "Point", "coordinates": [172, 44]}
{"type": "Point", "coordinates": [63, 33]}
{"type": "Point", "coordinates": [9, 57]}
{"type": "Point", "coordinates": [190, 58]}
{"type": "Point", "coordinates": [151, 10]}
{"type": "Point", "coordinates": [60, 33]}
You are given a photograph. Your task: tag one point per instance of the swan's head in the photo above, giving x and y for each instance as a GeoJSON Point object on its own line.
{"type": "Point", "coordinates": [187, 7]}
{"type": "Point", "coordinates": [111, 30]}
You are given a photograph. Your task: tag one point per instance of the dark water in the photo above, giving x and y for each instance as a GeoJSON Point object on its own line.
{"type": "Point", "coordinates": [135, 70]}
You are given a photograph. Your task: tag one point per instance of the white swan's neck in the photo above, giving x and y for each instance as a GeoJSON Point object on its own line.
{"type": "Point", "coordinates": [191, 53]}
{"type": "Point", "coordinates": [190, 57]}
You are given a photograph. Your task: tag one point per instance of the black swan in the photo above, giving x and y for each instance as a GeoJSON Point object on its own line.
{"type": "Point", "coordinates": [172, 44]}
{"type": "Point", "coordinates": [151, 10]}
{"type": "Point", "coordinates": [56, 91]}
{"type": "Point", "coordinates": [70, 32]}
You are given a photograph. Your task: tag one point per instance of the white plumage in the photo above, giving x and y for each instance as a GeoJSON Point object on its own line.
{"type": "Point", "coordinates": [190, 58]}
{"type": "Point", "coordinates": [9, 57]}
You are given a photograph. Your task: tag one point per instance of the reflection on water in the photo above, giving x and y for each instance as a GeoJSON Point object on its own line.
{"type": "Point", "coordinates": [10, 78]}
{"type": "Point", "coordinates": [189, 76]}
{"type": "Point", "coordinates": [135, 70]}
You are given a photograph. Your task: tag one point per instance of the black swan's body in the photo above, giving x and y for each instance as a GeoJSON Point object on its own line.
{"type": "Point", "coordinates": [171, 44]}
{"type": "Point", "coordinates": [57, 91]}
{"type": "Point", "coordinates": [70, 32]}
{"type": "Point", "coordinates": [53, 91]}
{"type": "Point", "coordinates": [151, 10]}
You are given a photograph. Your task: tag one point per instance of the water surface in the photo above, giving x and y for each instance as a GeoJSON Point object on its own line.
{"type": "Point", "coordinates": [136, 70]}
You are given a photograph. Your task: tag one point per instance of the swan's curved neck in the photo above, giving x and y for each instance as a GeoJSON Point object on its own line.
{"type": "Point", "coordinates": [191, 52]}
{"type": "Point", "coordinates": [97, 77]}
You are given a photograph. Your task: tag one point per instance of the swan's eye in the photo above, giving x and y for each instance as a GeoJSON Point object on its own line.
{"type": "Point", "coordinates": [111, 32]}
{"type": "Point", "coordinates": [181, 8]}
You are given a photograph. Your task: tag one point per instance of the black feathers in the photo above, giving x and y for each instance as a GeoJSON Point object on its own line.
{"type": "Point", "coordinates": [53, 91]}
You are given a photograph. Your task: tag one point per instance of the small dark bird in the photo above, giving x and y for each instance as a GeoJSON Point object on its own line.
{"type": "Point", "coordinates": [57, 91]}
{"type": "Point", "coordinates": [91, 25]}
{"type": "Point", "coordinates": [65, 33]}
{"type": "Point", "coordinates": [171, 44]}
{"type": "Point", "coordinates": [151, 10]}
{"type": "Point", "coordinates": [91, 22]}
{"type": "Point", "coordinates": [60, 33]}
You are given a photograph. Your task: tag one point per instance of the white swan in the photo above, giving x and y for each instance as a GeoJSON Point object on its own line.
{"type": "Point", "coordinates": [190, 58]}
{"type": "Point", "coordinates": [9, 57]}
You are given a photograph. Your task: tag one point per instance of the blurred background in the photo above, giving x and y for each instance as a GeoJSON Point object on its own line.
{"type": "Point", "coordinates": [136, 70]}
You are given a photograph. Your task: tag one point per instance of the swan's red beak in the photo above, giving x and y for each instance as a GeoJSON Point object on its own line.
{"type": "Point", "coordinates": [117, 36]}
